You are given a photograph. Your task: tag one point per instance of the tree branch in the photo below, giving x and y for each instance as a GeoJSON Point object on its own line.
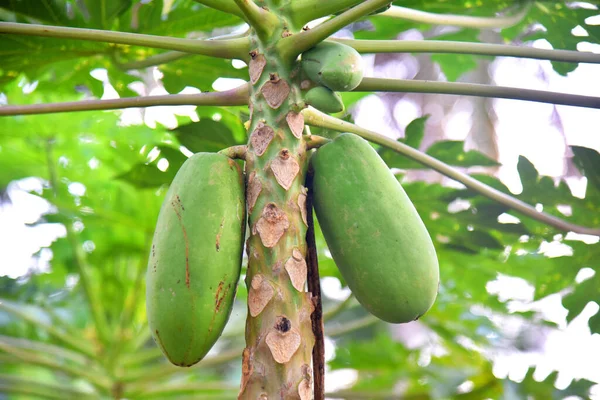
{"type": "Point", "coordinates": [353, 326]}
{"type": "Point", "coordinates": [73, 342]}
{"type": "Point", "coordinates": [231, 48]}
{"type": "Point", "coordinates": [442, 46]}
{"type": "Point", "coordinates": [157, 59]}
{"type": "Point", "coordinates": [303, 11]}
{"type": "Point", "coordinates": [457, 20]}
{"type": "Point", "coordinates": [26, 386]}
{"type": "Point", "coordinates": [191, 388]}
{"type": "Point", "coordinates": [93, 297]}
{"type": "Point", "coordinates": [227, 6]}
{"type": "Point", "coordinates": [474, 89]}
{"type": "Point", "coordinates": [317, 118]}
{"type": "Point", "coordinates": [140, 377]}
{"type": "Point", "coordinates": [338, 308]}
{"type": "Point", "coordinates": [314, 287]}
{"type": "Point", "coordinates": [45, 348]}
{"type": "Point", "coordinates": [263, 21]}
{"type": "Point", "coordinates": [294, 45]}
{"type": "Point", "coordinates": [168, 56]}
{"type": "Point", "coordinates": [235, 152]}
{"type": "Point", "coordinates": [100, 382]}
{"type": "Point", "coordinates": [233, 97]}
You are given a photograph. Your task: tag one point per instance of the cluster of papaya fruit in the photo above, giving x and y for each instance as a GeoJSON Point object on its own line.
{"type": "Point", "coordinates": [373, 231]}
{"type": "Point", "coordinates": [333, 67]}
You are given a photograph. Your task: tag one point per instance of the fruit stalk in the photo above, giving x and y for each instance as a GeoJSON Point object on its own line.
{"type": "Point", "coordinates": [279, 340]}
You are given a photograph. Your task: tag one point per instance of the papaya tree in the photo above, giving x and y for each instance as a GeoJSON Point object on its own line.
{"type": "Point", "coordinates": [181, 210]}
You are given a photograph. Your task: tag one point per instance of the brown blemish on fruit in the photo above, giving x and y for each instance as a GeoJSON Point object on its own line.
{"type": "Point", "coordinates": [178, 207]}
{"type": "Point", "coordinates": [261, 292]}
{"type": "Point", "coordinates": [296, 123]}
{"type": "Point", "coordinates": [271, 225]}
{"type": "Point", "coordinates": [286, 33]}
{"type": "Point", "coordinates": [253, 190]}
{"type": "Point", "coordinates": [261, 138]}
{"type": "Point", "coordinates": [218, 297]}
{"type": "Point", "coordinates": [285, 168]}
{"type": "Point", "coordinates": [283, 340]}
{"type": "Point", "coordinates": [275, 91]}
{"type": "Point", "coordinates": [302, 205]}
{"type": "Point", "coordinates": [296, 268]}
{"type": "Point", "coordinates": [218, 240]}
{"type": "Point", "coordinates": [159, 341]}
{"type": "Point", "coordinates": [256, 66]}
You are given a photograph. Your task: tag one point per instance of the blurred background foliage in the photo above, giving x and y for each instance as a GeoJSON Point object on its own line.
{"type": "Point", "coordinates": [73, 325]}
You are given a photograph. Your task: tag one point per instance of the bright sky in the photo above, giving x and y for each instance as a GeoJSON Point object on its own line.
{"type": "Point", "coordinates": [523, 128]}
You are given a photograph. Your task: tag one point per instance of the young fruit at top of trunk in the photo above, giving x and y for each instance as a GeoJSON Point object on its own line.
{"type": "Point", "coordinates": [324, 99]}
{"type": "Point", "coordinates": [373, 231]}
{"type": "Point", "coordinates": [333, 65]}
{"type": "Point", "coordinates": [196, 256]}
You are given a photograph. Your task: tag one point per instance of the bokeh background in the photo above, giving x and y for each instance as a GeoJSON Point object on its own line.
{"type": "Point", "coordinates": [517, 313]}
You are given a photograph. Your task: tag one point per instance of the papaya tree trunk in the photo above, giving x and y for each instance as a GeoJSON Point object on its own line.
{"type": "Point", "coordinates": [279, 338]}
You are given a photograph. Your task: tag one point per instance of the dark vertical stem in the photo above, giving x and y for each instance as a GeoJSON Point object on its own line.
{"type": "Point", "coordinates": [314, 287]}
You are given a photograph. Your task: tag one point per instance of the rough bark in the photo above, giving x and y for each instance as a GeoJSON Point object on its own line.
{"type": "Point", "coordinates": [279, 340]}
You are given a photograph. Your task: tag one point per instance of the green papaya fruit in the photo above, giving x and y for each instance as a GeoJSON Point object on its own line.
{"type": "Point", "coordinates": [324, 99]}
{"type": "Point", "coordinates": [195, 259]}
{"type": "Point", "coordinates": [333, 65]}
{"type": "Point", "coordinates": [373, 231]}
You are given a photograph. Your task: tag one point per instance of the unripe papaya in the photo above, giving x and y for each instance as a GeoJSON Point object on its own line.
{"type": "Point", "coordinates": [196, 256]}
{"type": "Point", "coordinates": [373, 231]}
{"type": "Point", "coordinates": [324, 99]}
{"type": "Point", "coordinates": [333, 65]}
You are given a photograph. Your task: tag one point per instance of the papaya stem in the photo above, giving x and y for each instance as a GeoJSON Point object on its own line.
{"type": "Point", "coordinates": [314, 286]}
{"type": "Point", "coordinates": [484, 49]}
{"type": "Point", "coordinates": [317, 118]}
{"type": "Point", "coordinates": [235, 152]}
{"type": "Point", "coordinates": [227, 6]}
{"type": "Point", "coordinates": [233, 97]}
{"type": "Point", "coordinates": [314, 141]}
{"type": "Point", "coordinates": [231, 48]}
{"type": "Point", "coordinates": [475, 89]}
{"type": "Point", "coordinates": [294, 45]}
{"type": "Point", "coordinates": [303, 11]}
{"type": "Point", "coordinates": [262, 21]}
{"type": "Point", "coordinates": [168, 56]}
{"type": "Point", "coordinates": [457, 20]}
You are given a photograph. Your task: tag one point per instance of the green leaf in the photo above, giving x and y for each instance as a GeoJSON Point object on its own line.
{"type": "Point", "coordinates": [529, 388]}
{"type": "Point", "coordinates": [206, 135]}
{"type": "Point", "coordinates": [149, 175]}
{"type": "Point", "coordinates": [452, 152]}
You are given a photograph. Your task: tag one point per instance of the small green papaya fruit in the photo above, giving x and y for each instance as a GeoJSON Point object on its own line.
{"type": "Point", "coordinates": [373, 231]}
{"type": "Point", "coordinates": [334, 65]}
{"type": "Point", "coordinates": [195, 259]}
{"type": "Point", "coordinates": [324, 99]}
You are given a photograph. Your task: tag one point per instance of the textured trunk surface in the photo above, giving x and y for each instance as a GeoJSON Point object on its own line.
{"type": "Point", "coordinates": [279, 337]}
